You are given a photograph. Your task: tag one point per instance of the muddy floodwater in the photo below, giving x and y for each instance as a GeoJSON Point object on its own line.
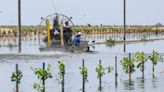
{"type": "Point", "coordinates": [32, 57]}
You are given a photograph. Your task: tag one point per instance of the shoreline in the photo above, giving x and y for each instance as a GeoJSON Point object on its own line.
{"type": "Point", "coordinates": [35, 30]}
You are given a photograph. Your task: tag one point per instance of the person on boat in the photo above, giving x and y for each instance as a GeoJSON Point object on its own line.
{"type": "Point", "coordinates": [66, 24]}
{"type": "Point", "coordinates": [56, 29]}
{"type": "Point", "coordinates": [79, 34]}
{"type": "Point", "coordinates": [56, 23]}
{"type": "Point", "coordinates": [77, 39]}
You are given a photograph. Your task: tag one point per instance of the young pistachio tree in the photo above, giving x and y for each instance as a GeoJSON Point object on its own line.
{"type": "Point", "coordinates": [100, 70]}
{"type": "Point", "coordinates": [61, 67]}
{"type": "Point", "coordinates": [84, 73]}
{"type": "Point", "coordinates": [154, 58]}
{"type": "Point", "coordinates": [43, 74]}
{"type": "Point", "coordinates": [140, 58]}
{"type": "Point", "coordinates": [16, 77]}
{"type": "Point", "coordinates": [128, 65]}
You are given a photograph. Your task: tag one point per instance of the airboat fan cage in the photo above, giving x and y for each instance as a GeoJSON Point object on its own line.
{"type": "Point", "coordinates": [42, 32]}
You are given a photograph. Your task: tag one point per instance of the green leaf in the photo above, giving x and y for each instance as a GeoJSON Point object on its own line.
{"type": "Point", "coordinates": [16, 76]}
{"type": "Point", "coordinates": [128, 64]}
{"type": "Point", "coordinates": [84, 72]}
{"type": "Point", "coordinates": [41, 74]}
{"type": "Point", "coordinates": [100, 70]}
{"type": "Point", "coordinates": [155, 57]}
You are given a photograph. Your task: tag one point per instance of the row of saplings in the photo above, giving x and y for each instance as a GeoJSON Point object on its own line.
{"type": "Point", "coordinates": [128, 65]}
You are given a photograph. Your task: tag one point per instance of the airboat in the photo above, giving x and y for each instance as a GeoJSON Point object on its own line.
{"type": "Point", "coordinates": [55, 34]}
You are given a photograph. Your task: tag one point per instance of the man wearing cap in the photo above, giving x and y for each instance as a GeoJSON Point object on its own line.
{"type": "Point", "coordinates": [77, 39]}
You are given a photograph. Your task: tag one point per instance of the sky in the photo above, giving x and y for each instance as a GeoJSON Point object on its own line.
{"type": "Point", "coordinates": [94, 12]}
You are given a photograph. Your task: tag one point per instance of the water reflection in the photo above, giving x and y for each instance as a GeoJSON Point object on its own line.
{"type": "Point", "coordinates": [73, 76]}
{"type": "Point", "coordinates": [154, 82]}
{"type": "Point", "coordinates": [10, 44]}
{"type": "Point", "coordinates": [128, 86]}
{"type": "Point", "coordinates": [110, 45]}
{"type": "Point", "coordinates": [140, 83]}
{"type": "Point", "coordinates": [31, 44]}
{"type": "Point", "coordinates": [100, 89]}
{"type": "Point", "coordinates": [130, 36]}
{"type": "Point", "coordinates": [124, 48]}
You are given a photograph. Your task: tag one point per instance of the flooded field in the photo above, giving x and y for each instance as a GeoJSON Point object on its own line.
{"type": "Point", "coordinates": [32, 57]}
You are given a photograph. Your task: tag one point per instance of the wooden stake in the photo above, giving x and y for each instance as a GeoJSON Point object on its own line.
{"type": "Point", "coordinates": [17, 84]}
{"type": "Point", "coordinates": [100, 76]}
{"type": "Point", "coordinates": [116, 74]}
{"type": "Point", "coordinates": [83, 79]}
{"type": "Point", "coordinates": [43, 81]}
{"type": "Point", "coordinates": [19, 24]}
{"type": "Point", "coordinates": [129, 68]}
